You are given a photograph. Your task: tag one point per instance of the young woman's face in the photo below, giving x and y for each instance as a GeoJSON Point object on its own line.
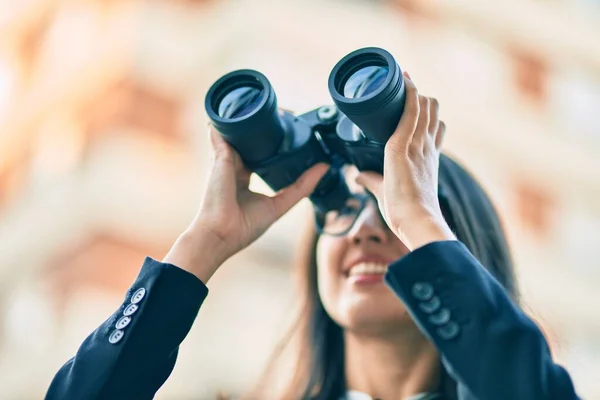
{"type": "Point", "coordinates": [350, 272]}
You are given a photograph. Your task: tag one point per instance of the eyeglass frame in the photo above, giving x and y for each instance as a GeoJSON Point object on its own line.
{"type": "Point", "coordinates": [364, 198]}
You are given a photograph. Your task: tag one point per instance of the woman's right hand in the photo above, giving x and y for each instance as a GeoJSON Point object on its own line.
{"type": "Point", "coordinates": [231, 216]}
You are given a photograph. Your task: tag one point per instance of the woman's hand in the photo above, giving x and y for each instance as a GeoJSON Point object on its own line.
{"type": "Point", "coordinates": [407, 191]}
{"type": "Point", "coordinates": [231, 216]}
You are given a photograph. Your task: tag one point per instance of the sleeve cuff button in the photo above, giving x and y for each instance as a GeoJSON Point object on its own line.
{"type": "Point", "coordinates": [116, 336]}
{"type": "Point", "coordinates": [130, 309]}
{"type": "Point", "coordinates": [431, 306]}
{"type": "Point", "coordinates": [441, 317]}
{"type": "Point", "coordinates": [138, 295]}
{"type": "Point", "coordinates": [448, 331]}
{"type": "Point", "coordinates": [422, 291]}
{"type": "Point", "coordinates": [123, 322]}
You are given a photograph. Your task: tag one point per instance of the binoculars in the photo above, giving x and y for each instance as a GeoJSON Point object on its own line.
{"type": "Point", "coordinates": [368, 90]}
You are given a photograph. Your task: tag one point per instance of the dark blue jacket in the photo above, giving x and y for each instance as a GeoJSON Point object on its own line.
{"type": "Point", "coordinates": [488, 345]}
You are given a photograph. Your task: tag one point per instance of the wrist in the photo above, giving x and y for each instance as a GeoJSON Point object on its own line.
{"type": "Point", "coordinates": [423, 227]}
{"type": "Point", "coordinates": [197, 252]}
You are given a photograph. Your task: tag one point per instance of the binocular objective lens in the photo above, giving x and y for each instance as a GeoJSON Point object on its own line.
{"type": "Point", "coordinates": [239, 102]}
{"type": "Point", "coordinates": [365, 81]}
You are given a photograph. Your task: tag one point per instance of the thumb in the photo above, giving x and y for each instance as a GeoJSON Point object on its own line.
{"type": "Point", "coordinates": [286, 198]}
{"type": "Point", "coordinates": [371, 181]}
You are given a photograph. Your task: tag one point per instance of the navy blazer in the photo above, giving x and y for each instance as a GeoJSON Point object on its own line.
{"type": "Point", "coordinates": [488, 345]}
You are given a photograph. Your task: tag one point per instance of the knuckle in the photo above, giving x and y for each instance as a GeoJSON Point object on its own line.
{"type": "Point", "coordinates": [414, 109]}
{"type": "Point", "coordinates": [429, 144]}
{"type": "Point", "coordinates": [411, 92]}
{"type": "Point", "coordinates": [395, 143]}
{"type": "Point", "coordinates": [390, 146]}
{"type": "Point", "coordinates": [221, 153]}
{"type": "Point", "coordinates": [225, 156]}
{"type": "Point", "coordinates": [413, 151]}
{"type": "Point", "coordinates": [392, 150]}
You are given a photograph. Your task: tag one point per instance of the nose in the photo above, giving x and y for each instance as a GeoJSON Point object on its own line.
{"type": "Point", "coordinates": [369, 226]}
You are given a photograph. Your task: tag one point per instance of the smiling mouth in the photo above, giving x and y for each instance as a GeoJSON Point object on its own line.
{"type": "Point", "coordinates": [368, 268]}
{"type": "Point", "coordinates": [367, 272]}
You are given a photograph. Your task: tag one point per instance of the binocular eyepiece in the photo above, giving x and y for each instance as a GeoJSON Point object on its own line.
{"type": "Point", "coordinates": [368, 90]}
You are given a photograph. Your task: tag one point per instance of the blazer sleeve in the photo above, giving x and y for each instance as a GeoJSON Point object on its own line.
{"type": "Point", "coordinates": [486, 342]}
{"type": "Point", "coordinates": [134, 351]}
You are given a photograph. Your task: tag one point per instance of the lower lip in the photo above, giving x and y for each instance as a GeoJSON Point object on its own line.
{"type": "Point", "coordinates": [366, 279]}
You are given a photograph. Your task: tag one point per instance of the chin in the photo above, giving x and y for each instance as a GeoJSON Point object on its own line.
{"type": "Point", "coordinates": [369, 314]}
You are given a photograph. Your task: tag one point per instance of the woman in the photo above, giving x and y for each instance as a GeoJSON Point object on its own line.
{"type": "Point", "coordinates": [398, 308]}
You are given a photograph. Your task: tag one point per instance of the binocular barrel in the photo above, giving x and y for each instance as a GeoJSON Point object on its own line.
{"type": "Point", "coordinates": [368, 89]}
{"type": "Point", "coordinates": [243, 107]}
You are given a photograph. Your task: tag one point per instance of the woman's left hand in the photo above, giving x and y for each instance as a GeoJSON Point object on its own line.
{"type": "Point", "coordinates": [407, 191]}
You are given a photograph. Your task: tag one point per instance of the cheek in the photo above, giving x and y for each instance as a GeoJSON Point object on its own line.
{"type": "Point", "coordinates": [347, 307]}
{"type": "Point", "coordinates": [330, 253]}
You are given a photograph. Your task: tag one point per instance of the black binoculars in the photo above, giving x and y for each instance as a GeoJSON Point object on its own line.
{"type": "Point", "coordinates": [368, 90]}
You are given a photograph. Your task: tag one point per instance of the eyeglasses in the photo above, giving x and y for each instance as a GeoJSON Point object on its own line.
{"type": "Point", "coordinates": [340, 222]}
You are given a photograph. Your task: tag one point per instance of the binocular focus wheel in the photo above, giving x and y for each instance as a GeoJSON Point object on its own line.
{"type": "Point", "coordinates": [327, 113]}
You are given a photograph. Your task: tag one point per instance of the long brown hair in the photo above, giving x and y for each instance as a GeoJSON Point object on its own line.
{"type": "Point", "coordinates": [317, 341]}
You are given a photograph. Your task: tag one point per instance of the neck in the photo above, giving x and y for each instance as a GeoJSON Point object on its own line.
{"type": "Point", "coordinates": [394, 366]}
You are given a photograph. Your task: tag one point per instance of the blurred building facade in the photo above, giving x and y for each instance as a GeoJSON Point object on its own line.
{"type": "Point", "coordinates": [103, 158]}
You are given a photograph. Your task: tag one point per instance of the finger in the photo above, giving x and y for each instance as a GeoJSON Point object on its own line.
{"type": "Point", "coordinates": [221, 149]}
{"type": "Point", "coordinates": [287, 110]}
{"type": "Point", "coordinates": [439, 136]}
{"type": "Point", "coordinates": [373, 182]}
{"type": "Point", "coordinates": [422, 124]}
{"type": "Point", "coordinates": [434, 116]}
{"type": "Point", "coordinates": [286, 198]}
{"type": "Point", "coordinates": [224, 152]}
{"type": "Point", "coordinates": [227, 162]}
{"type": "Point", "coordinates": [408, 122]}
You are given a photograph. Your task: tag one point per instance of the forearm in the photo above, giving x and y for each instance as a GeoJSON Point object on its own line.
{"type": "Point", "coordinates": [133, 352]}
{"type": "Point", "coordinates": [487, 343]}
{"type": "Point", "coordinates": [422, 228]}
{"type": "Point", "coordinates": [197, 252]}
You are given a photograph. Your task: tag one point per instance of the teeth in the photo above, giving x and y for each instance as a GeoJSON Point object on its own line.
{"type": "Point", "coordinates": [368, 268]}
